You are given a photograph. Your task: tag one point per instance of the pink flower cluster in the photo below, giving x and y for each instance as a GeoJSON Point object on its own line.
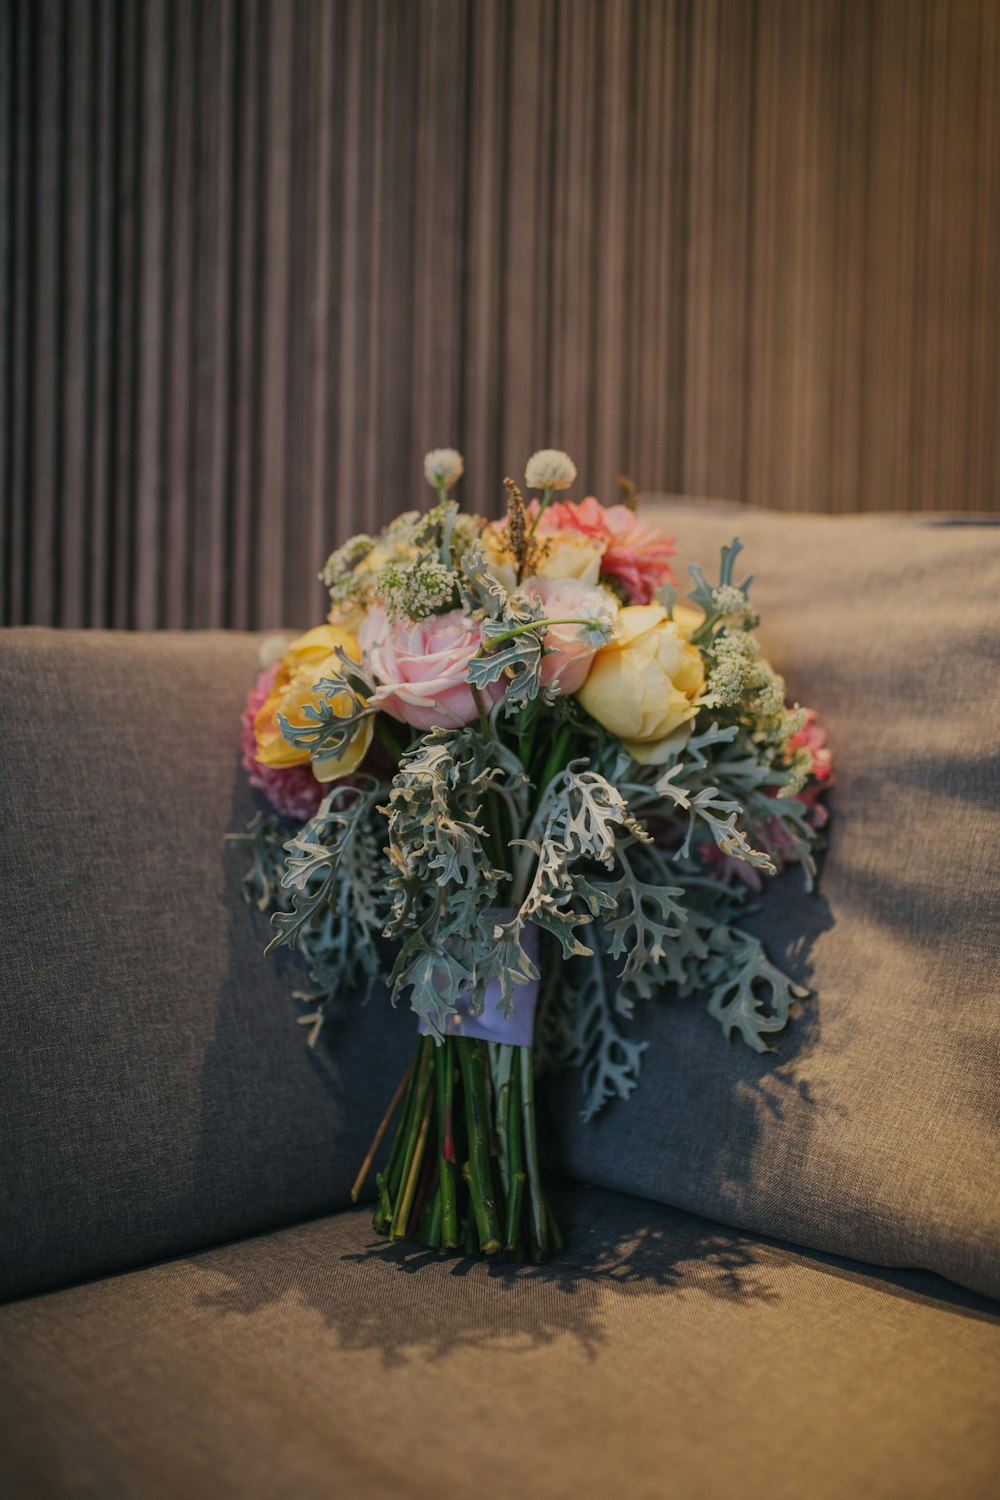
{"type": "Point", "coordinates": [636, 555]}
{"type": "Point", "coordinates": [812, 736]}
{"type": "Point", "coordinates": [294, 792]}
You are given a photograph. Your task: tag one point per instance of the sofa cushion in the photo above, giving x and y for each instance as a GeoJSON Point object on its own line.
{"type": "Point", "coordinates": [155, 1092]}
{"type": "Point", "coordinates": [875, 1133]}
{"type": "Point", "coordinates": [660, 1357]}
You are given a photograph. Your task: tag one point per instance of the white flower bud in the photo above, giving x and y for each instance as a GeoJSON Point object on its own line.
{"type": "Point", "coordinates": [272, 648]}
{"type": "Point", "coordinates": [443, 467]}
{"type": "Point", "coordinates": [549, 469]}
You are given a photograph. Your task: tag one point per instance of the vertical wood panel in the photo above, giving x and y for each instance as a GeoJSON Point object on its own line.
{"type": "Point", "coordinates": [149, 497]}
{"type": "Point", "coordinates": [607, 352]}
{"type": "Point", "coordinates": [983, 436]}
{"type": "Point", "coordinates": [46, 332]}
{"type": "Point", "coordinates": [257, 255]}
{"type": "Point", "coordinates": [77, 277]}
{"type": "Point", "coordinates": [17, 399]}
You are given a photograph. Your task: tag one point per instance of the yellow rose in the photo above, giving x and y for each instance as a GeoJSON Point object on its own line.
{"type": "Point", "coordinates": [307, 660]}
{"type": "Point", "coordinates": [687, 619]}
{"type": "Point", "coordinates": [571, 556]}
{"type": "Point", "coordinates": [642, 683]}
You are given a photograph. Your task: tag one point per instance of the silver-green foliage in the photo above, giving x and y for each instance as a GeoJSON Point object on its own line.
{"type": "Point", "coordinates": [333, 903]}
{"type": "Point", "coordinates": [446, 873]}
{"type": "Point", "coordinates": [456, 858]}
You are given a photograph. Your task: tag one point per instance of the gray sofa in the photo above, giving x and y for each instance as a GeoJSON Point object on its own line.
{"type": "Point", "coordinates": [780, 1271]}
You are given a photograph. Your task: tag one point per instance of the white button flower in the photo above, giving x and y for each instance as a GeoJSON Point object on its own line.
{"type": "Point", "coordinates": [443, 467]}
{"type": "Point", "coordinates": [549, 469]}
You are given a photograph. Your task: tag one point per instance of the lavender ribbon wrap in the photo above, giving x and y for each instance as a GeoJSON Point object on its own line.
{"type": "Point", "coordinates": [491, 1025]}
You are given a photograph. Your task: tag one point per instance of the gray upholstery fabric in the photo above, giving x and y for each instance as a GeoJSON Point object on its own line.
{"type": "Point", "coordinates": [876, 1133]}
{"type": "Point", "coordinates": [155, 1092]}
{"type": "Point", "coordinates": [661, 1357]}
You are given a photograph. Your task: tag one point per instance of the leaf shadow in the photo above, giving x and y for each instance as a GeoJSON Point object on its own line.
{"type": "Point", "coordinates": [408, 1302]}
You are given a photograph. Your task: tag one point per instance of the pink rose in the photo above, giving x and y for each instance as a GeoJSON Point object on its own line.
{"type": "Point", "coordinates": [292, 791]}
{"type": "Point", "coordinates": [420, 668]}
{"type": "Point", "coordinates": [636, 554]}
{"type": "Point", "coordinates": [567, 658]}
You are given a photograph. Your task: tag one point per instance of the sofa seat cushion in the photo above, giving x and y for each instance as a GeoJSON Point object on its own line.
{"type": "Point", "coordinates": [875, 1131]}
{"type": "Point", "coordinates": [661, 1356]}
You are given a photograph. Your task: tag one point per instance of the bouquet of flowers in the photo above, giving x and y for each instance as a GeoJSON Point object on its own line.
{"type": "Point", "coordinates": [513, 776]}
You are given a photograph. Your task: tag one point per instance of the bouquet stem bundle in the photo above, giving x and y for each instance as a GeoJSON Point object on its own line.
{"type": "Point", "coordinates": [462, 1171]}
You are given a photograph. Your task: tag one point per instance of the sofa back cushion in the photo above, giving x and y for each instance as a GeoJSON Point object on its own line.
{"type": "Point", "coordinates": [156, 1094]}
{"type": "Point", "coordinates": [876, 1132]}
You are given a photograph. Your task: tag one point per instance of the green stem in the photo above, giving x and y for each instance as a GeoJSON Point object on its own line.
{"type": "Point", "coordinates": [555, 762]}
{"type": "Point", "coordinates": [476, 1170]}
{"type": "Point", "coordinates": [512, 1228]}
{"type": "Point", "coordinates": [528, 744]}
{"type": "Point", "coordinates": [484, 718]}
{"type": "Point", "coordinates": [538, 1214]}
{"type": "Point", "coordinates": [382, 1215]}
{"type": "Point", "coordinates": [399, 1169]}
{"type": "Point", "coordinates": [509, 635]}
{"type": "Point", "coordinates": [516, 1163]}
{"type": "Point", "coordinates": [447, 1201]}
{"type": "Point", "coordinates": [501, 1066]}
{"type": "Point", "coordinates": [415, 1219]}
{"type": "Point", "coordinates": [543, 506]}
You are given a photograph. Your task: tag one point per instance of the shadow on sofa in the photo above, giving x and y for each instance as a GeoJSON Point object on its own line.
{"type": "Point", "coordinates": [620, 1251]}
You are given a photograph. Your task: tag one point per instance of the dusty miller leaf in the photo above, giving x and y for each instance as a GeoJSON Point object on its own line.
{"type": "Point", "coordinates": [750, 994]}
{"type": "Point", "coordinates": [594, 1042]}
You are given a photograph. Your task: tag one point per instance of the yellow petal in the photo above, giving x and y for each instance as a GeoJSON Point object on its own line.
{"type": "Point", "coordinates": [307, 660]}
{"type": "Point", "coordinates": [333, 767]}
{"type": "Point", "coordinates": [612, 693]}
{"type": "Point", "coordinates": [658, 752]}
{"type": "Point", "coordinates": [688, 619]}
{"type": "Point", "coordinates": [635, 621]}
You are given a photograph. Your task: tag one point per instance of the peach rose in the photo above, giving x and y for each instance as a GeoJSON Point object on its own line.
{"type": "Point", "coordinates": [568, 658]}
{"type": "Point", "coordinates": [420, 668]}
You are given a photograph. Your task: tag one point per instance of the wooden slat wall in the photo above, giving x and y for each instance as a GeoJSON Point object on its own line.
{"type": "Point", "coordinates": [257, 255]}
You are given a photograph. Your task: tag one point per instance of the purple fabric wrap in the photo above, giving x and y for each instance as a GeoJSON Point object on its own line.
{"type": "Point", "coordinates": [491, 1025]}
